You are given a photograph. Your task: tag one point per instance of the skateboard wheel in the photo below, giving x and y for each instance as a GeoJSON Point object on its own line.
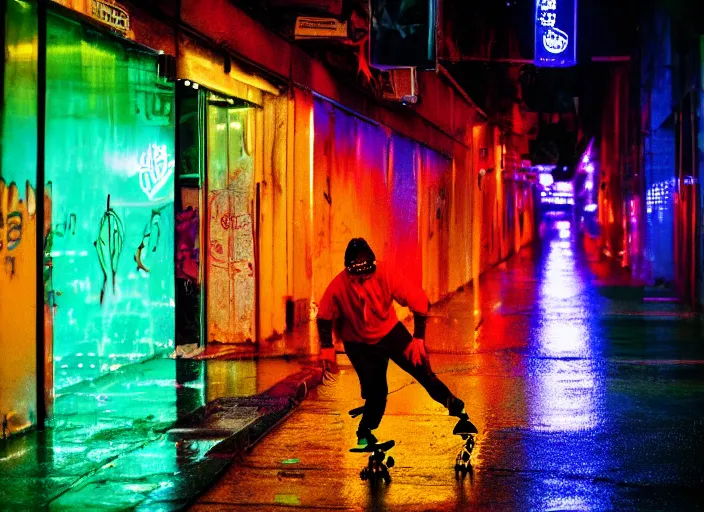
{"type": "Point", "coordinates": [470, 444]}
{"type": "Point", "coordinates": [390, 462]}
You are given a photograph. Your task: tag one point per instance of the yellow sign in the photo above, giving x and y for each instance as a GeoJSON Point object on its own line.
{"type": "Point", "coordinates": [106, 11]}
{"type": "Point", "coordinates": [112, 14]}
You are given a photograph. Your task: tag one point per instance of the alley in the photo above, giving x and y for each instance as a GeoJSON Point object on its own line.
{"type": "Point", "coordinates": [583, 401]}
{"type": "Point", "coordinates": [181, 181]}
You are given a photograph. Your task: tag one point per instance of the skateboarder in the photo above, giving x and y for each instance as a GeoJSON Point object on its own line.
{"type": "Point", "coordinates": [359, 301]}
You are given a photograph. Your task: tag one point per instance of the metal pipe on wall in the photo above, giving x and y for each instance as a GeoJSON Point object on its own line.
{"type": "Point", "coordinates": [44, 364]}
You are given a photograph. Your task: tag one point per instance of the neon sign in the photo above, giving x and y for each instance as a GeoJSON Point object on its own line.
{"type": "Point", "coordinates": [555, 33]}
{"type": "Point", "coordinates": [155, 169]}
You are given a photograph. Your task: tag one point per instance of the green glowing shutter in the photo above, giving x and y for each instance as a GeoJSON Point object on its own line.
{"type": "Point", "coordinates": [109, 170]}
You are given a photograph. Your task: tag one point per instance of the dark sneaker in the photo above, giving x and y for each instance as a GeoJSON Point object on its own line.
{"type": "Point", "coordinates": [464, 426]}
{"type": "Point", "coordinates": [365, 438]}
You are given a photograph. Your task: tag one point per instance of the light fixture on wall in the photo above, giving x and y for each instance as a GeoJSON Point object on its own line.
{"type": "Point", "coordinates": [190, 83]}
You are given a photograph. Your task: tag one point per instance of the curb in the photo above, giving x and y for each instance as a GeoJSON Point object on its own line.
{"type": "Point", "coordinates": [267, 410]}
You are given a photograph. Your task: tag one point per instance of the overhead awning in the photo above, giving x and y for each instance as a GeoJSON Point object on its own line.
{"type": "Point", "coordinates": [207, 67]}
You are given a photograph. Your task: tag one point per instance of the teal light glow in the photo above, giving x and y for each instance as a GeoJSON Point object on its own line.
{"type": "Point", "coordinates": [109, 171]}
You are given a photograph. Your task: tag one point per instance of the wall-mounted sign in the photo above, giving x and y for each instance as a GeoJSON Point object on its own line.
{"type": "Point", "coordinates": [112, 14]}
{"type": "Point", "coordinates": [555, 33]}
{"type": "Point", "coordinates": [108, 12]}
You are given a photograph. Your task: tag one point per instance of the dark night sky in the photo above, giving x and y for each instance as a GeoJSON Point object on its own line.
{"type": "Point", "coordinates": [605, 28]}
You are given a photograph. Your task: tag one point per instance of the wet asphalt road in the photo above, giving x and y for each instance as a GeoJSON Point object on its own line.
{"type": "Point", "coordinates": [583, 403]}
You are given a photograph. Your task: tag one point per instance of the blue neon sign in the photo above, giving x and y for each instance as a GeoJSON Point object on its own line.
{"type": "Point", "coordinates": [555, 33]}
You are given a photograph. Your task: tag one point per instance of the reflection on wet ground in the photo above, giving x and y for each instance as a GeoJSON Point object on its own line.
{"type": "Point", "coordinates": [584, 402]}
{"type": "Point", "coordinates": [111, 447]}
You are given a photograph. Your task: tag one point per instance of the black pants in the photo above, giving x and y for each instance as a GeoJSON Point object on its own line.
{"type": "Point", "coordinates": [371, 361]}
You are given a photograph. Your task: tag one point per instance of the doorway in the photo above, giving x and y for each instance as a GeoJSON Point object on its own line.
{"type": "Point", "coordinates": [230, 268]}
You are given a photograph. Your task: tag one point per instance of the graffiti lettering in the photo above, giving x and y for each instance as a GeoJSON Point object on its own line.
{"type": "Point", "coordinates": [156, 106]}
{"type": "Point", "coordinates": [14, 230]}
{"type": "Point", "coordinates": [67, 226]}
{"type": "Point", "coordinates": [155, 168]}
{"type": "Point", "coordinates": [150, 239]}
{"type": "Point", "coordinates": [12, 224]}
{"type": "Point", "coordinates": [235, 222]}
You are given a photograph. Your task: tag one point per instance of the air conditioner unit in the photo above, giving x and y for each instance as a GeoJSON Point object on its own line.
{"type": "Point", "coordinates": [399, 84]}
{"type": "Point", "coordinates": [313, 27]}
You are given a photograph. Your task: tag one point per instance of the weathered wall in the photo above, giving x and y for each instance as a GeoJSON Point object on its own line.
{"type": "Point", "coordinates": [274, 197]}
{"type": "Point", "coordinates": [18, 271]}
{"type": "Point", "coordinates": [413, 204]}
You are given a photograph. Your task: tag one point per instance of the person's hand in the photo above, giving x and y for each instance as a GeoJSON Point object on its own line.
{"type": "Point", "coordinates": [328, 359]}
{"type": "Point", "coordinates": [415, 351]}
{"type": "Point", "coordinates": [328, 354]}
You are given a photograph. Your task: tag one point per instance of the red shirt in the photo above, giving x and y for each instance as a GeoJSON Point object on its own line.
{"type": "Point", "coordinates": [365, 312]}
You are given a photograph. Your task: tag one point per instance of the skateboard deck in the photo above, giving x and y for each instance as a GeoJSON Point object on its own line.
{"type": "Point", "coordinates": [383, 447]}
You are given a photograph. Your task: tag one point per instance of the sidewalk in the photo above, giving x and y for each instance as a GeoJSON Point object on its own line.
{"type": "Point", "coordinates": [151, 436]}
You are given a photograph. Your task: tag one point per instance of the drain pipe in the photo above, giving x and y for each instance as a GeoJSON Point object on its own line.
{"type": "Point", "coordinates": [39, 253]}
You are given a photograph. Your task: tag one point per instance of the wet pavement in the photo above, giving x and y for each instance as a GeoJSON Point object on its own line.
{"type": "Point", "coordinates": [148, 436]}
{"type": "Point", "coordinates": [587, 394]}
{"type": "Point", "coordinates": [587, 397]}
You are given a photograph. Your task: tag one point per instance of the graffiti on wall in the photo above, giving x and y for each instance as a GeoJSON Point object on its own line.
{"type": "Point", "coordinates": [155, 107]}
{"type": "Point", "coordinates": [229, 248]}
{"type": "Point", "coordinates": [65, 227]}
{"type": "Point", "coordinates": [155, 168]}
{"type": "Point", "coordinates": [14, 213]}
{"type": "Point", "coordinates": [150, 240]}
{"type": "Point", "coordinates": [108, 246]}
{"type": "Point", "coordinates": [230, 267]}
{"type": "Point", "coordinates": [236, 222]}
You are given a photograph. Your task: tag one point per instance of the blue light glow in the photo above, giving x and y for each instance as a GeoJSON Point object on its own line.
{"type": "Point", "coordinates": [546, 180]}
{"type": "Point", "coordinates": [555, 33]}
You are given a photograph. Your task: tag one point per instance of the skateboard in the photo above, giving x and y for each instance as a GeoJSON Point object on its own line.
{"type": "Point", "coordinates": [377, 468]}
{"type": "Point", "coordinates": [463, 463]}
